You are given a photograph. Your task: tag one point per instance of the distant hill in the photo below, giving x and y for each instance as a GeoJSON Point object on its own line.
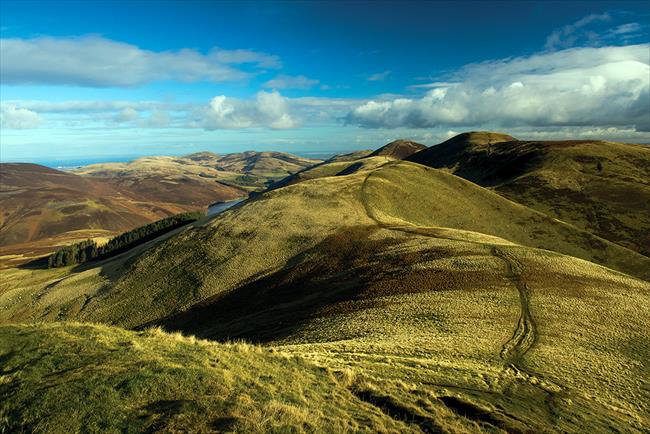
{"type": "Point", "coordinates": [39, 203]}
{"type": "Point", "coordinates": [43, 208]}
{"type": "Point", "coordinates": [602, 187]}
{"type": "Point", "coordinates": [398, 149]}
{"type": "Point", "coordinates": [346, 164]}
{"type": "Point", "coordinates": [231, 174]}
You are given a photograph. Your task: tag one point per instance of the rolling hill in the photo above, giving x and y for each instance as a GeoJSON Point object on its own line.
{"type": "Point", "coordinates": [43, 208]}
{"type": "Point", "coordinates": [398, 149]}
{"type": "Point", "coordinates": [245, 171]}
{"type": "Point", "coordinates": [346, 164]}
{"type": "Point", "coordinates": [601, 187]}
{"type": "Point", "coordinates": [447, 306]}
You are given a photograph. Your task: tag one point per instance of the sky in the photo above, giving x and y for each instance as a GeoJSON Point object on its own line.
{"type": "Point", "coordinates": [92, 79]}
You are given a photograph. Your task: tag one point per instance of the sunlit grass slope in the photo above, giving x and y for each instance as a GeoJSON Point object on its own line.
{"type": "Point", "coordinates": [602, 187]}
{"type": "Point", "coordinates": [70, 377]}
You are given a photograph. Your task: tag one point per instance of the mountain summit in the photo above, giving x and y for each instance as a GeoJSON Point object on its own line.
{"type": "Point", "coordinates": [398, 149]}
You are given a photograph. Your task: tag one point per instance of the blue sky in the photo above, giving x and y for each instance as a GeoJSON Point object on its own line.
{"type": "Point", "coordinates": [138, 78]}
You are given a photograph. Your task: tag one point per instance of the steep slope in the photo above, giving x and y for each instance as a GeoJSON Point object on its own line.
{"type": "Point", "coordinates": [398, 149]}
{"type": "Point", "coordinates": [443, 325]}
{"type": "Point", "coordinates": [601, 187]}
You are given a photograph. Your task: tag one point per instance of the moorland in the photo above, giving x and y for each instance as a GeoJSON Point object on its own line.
{"type": "Point", "coordinates": [485, 284]}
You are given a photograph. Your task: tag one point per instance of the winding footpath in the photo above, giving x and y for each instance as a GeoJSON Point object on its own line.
{"type": "Point", "coordinates": [524, 336]}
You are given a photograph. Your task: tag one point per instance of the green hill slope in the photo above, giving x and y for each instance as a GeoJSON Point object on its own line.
{"type": "Point", "coordinates": [71, 377]}
{"type": "Point", "coordinates": [601, 187]}
{"type": "Point", "coordinates": [355, 161]}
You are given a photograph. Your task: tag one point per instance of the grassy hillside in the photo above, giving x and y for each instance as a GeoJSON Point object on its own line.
{"type": "Point", "coordinates": [43, 208]}
{"type": "Point", "coordinates": [333, 167]}
{"type": "Point", "coordinates": [398, 149]}
{"type": "Point", "coordinates": [223, 176]}
{"type": "Point", "coordinates": [601, 187]}
{"type": "Point", "coordinates": [448, 307]}
{"type": "Point", "coordinates": [346, 164]}
{"type": "Point", "coordinates": [71, 377]}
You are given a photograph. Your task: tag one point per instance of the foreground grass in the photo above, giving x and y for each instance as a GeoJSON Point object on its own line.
{"type": "Point", "coordinates": [69, 377]}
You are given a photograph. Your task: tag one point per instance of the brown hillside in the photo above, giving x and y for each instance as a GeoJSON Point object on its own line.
{"type": "Point", "coordinates": [40, 203]}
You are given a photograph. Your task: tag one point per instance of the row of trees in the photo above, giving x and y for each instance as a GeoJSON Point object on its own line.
{"type": "Point", "coordinates": [89, 250]}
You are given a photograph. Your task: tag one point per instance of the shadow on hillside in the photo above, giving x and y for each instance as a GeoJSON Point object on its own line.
{"type": "Point", "coordinates": [35, 264]}
{"type": "Point", "coordinates": [341, 275]}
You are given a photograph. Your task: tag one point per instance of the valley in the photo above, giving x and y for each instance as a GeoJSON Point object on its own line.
{"type": "Point", "coordinates": [44, 208]}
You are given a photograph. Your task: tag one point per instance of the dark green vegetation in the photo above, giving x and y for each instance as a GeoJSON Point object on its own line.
{"type": "Point", "coordinates": [89, 250]}
{"type": "Point", "coordinates": [381, 295]}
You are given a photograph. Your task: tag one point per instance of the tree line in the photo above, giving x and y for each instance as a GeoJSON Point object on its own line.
{"type": "Point", "coordinates": [88, 250]}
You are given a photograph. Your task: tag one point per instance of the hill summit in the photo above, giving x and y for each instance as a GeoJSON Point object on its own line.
{"type": "Point", "coordinates": [398, 149]}
{"type": "Point", "coordinates": [459, 145]}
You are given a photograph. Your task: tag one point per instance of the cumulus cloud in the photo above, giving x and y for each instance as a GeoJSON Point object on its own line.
{"type": "Point", "coordinates": [606, 86]}
{"type": "Point", "coordinates": [379, 76]}
{"type": "Point", "coordinates": [12, 117]}
{"type": "Point", "coordinates": [291, 82]}
{"type": "Point", "coordinates": [99, 62]}
{"type": "Point", "coordinates": [268, 110]}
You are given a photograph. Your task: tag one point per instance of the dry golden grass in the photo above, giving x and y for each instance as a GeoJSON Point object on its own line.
{"type": "Point", "coordinates": [70, 377]}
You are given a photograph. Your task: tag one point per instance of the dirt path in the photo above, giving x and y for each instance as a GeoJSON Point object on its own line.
{"type": "Point", "coordinates": [524, 335]}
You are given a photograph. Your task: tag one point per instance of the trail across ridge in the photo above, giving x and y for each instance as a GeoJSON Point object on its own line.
{"type": "Point", "coordinates": [524, 335]}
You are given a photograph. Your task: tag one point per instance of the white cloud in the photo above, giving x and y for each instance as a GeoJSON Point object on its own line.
{"type": "Point", "coordinates": [379, 76]}
{"type": "Point", "coordinates": [291, 82]}
{"type": "Point", "coordinates": [98, 62]}
{"type": "Point", "coordinates": [87, 106]}
{"type": "Point", "coordinates": [127, 114]}
{"type": "Point", "coordinates": [267, 110]}
{"type": "Point", "coordinates": [606, 86]}
{"type": "Point", "coordinates": [12, 117]}
{"type": "Point", "coordinates": [157, 119]}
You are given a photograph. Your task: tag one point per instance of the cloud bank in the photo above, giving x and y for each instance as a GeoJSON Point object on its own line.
{"type": "Point", "coordinates": [12, 117]}
{"type": "Point", "coordinates": [291, 82]}
{"type": "Point", "coordinates": [95, 61]}
{"type": "Point", "coordinates": [267, 110]}
{"type": "Point", "coordinates": [606, 86]}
